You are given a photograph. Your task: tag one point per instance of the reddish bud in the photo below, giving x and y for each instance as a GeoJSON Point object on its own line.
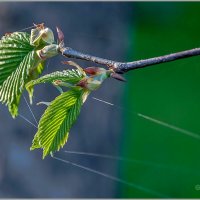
{"type": "Point", "coordinates": [118, 77]}
{"type": "Point", "coordinates": [91, 70]}
{"type": "Point", "coordinates": [60, 35]}
{"type": "Point", "coordinates": [82, 83]}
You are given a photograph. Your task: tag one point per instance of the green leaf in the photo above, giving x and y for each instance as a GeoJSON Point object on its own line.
{"type": "Point", "coordinates": [13, 49]}
{"type": "Point", "coordinates": [12, 87]}
{"type": "Point", "coordinates": [60, 115]}
{"type": "Point", "coordinates": [20, 62]}
{"type": "Point", "coordinates": [69, 76]}
{"type": "Point", "coordinates": [16, 58]}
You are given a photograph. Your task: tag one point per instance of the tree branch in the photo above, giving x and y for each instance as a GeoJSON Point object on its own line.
{"type": "Point", "coordinates": [123, 67]}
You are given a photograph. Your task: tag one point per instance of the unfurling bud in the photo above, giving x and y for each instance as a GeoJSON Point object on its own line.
{"type": "Point", "coordinates": [47, 36]}
{"type": "Point", "coordinates": [96, 78]}
{"type": "Point", "coordinates": [48, 51]}
{"type": "Point", "coordinates": [93, 82]}
{"type": "Point", "coordinates": [41, 35]}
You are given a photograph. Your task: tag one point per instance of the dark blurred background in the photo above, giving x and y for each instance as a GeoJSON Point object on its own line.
{"type": "Point", "coordinates": [101, 29]}
{"type": "Point", "coordinates": [165, 161]}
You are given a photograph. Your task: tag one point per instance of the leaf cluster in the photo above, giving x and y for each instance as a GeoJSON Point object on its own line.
{"type": "Point", "coordinates": [22, 60]}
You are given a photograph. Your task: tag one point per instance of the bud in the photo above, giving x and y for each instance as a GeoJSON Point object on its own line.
{"type": "Point", "coordinates": [95, 70]}
{"type": "Point", "coordinates": [82, 83]}
{"type": "Point", "coordinates": [93, 82]}
{"type": "Point", "coordinates": [48, 51]}
{"type": "Point", "coordinates": [60, 35]}
{"type": "Point", "coordinates": [91, 70]}
{"type": "Point", "coordinates": [60, 38]}
{"type": "Point", "coordinates": [41, 35]}
{"type": "Point", "coordinates": [118, 77]}
{"type": "Point", "coordinates": [47, 36]}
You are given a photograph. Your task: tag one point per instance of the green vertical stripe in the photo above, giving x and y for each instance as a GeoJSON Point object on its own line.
{"type": "Point", "coordinates": [169, 92]}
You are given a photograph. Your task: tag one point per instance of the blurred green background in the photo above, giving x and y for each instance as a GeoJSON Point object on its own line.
{"type": "Point", "coordinates": [167, 160]}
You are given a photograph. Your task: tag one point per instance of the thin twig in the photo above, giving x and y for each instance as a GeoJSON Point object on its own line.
{"type": "Point", "coordinates": [71, 53]}
{"type": "Point", "coordinates": [123, 67]}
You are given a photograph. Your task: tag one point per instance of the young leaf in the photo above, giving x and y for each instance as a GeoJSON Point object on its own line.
{"type": "Point", "coordinates": [12, 87]}
{"type": "Point", "coordinates": [13, 49]}
{"type": "Point", "coordinates": [69, 76]}
{"type": "Point", "coordinates": [17, 57]}
{"type": "Point", "coordinates": [60, 115]}
{"type": "Point", "coordinates": [20, 62]}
